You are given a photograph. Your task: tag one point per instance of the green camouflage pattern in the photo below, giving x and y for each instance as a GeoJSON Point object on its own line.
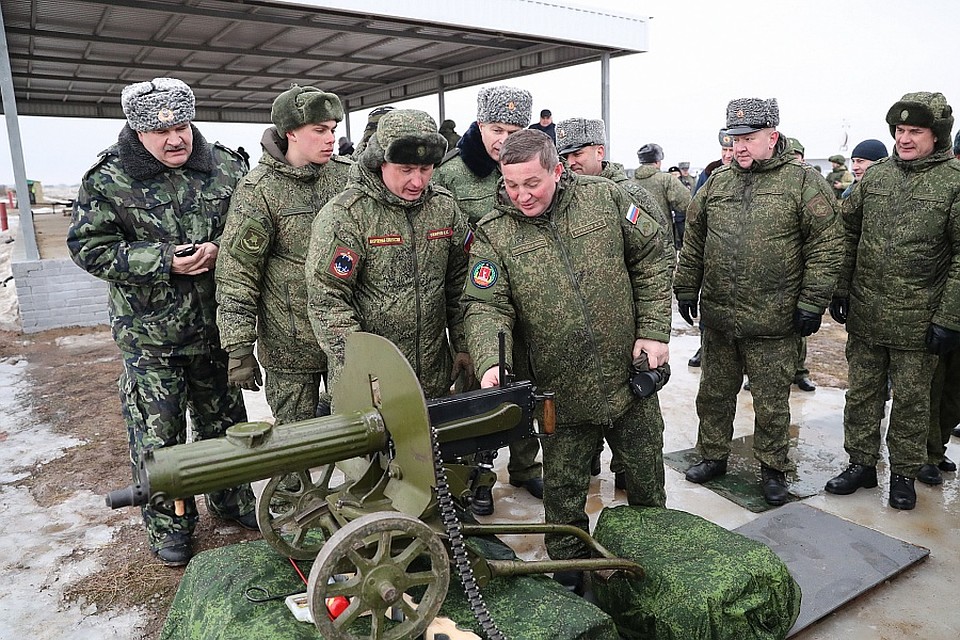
{"type": "Point", "coordinates": [901, 258]}
{"type": "Point", "coordinates": [211, 602]}
{"type": "Point", "coordinates": [125, 231]}
{"type": "Point", "coordinates": [384, 265]}
{"type": "Point", "coordinates": [869, 365]}
{"type": "Point", "coordinates": [579, 284]}
{"type": "Point", "coordinates": [760, 243]}
{"type": "Point", "coordinates": [671, 194]}
{"type": "Point", "coordinates": [636, 438]}
{"type": "Point", "coordinates": [155, 394]}
{"type": "Point", "coordinates": [261, 292]}
{"type": "Point", "coordinates": [294, 396]}
{"type": "Point", "coordinates": [475, 196]}
{"type": "Point", "coordinates": [770, 364]}
{"type": "Point", "coordinates": [843, 176]}
{"type": "Point", "coordinates": [944, 405]}
{"type": "Point", "coordinates": [641, 197]}
{"type": "Point", "coordinates": [700, 581]}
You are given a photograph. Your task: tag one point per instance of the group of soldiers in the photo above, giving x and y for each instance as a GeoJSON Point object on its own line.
{"type": "Point", "coordinates": [216, 272]}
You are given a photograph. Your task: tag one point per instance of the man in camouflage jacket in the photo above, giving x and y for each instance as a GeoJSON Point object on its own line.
{"type": "Point", "coordinates": [899, 293]}
{"type": "Point", "coordinates": [148, 220]}
{"type": "Point", "coordinates": [387, 255]}
{"type": "Point", "coordinates": [261, 292]}
{"type": "Point", "coordinates": [572, 267]}
{"type": "Point", "coordinates": [672, 196]}
{"type": "Point", "coordinates": [762, 254]}
{"type": "Point", "coordinates": [471, 173]}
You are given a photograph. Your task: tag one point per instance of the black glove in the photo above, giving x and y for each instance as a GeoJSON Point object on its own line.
{"type": "Point", "coordinates": [839, 308]}
{"type": "Point", "coordinates": [941, 340]}
{"type": "Point", "coordinates": [806, 322]}
{"type": "Point", "coordinates": [688, 310]}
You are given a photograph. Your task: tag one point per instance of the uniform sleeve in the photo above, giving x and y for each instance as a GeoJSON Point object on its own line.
{"type": "Point", "coordinates": [948, 314]}
{"type": "Point", "coordinates": [822, 234]}
{"type": "Point", "coordinates": [689, 276]}
{"type": "Point", "coordinates": [455, 276]}
{"type": "Point", "coordinates": [851, 222]}
{"type": "Point", "coordinates": [98, 242]}
{"type": "Point", "coordinates": [245, 246]}
{"type": "Point", "coordinates": [678, 195]}
{"type": "Point", "coordinates": [487, 306]}
{"type": "Point", "coordinates": [333, 267]}
{"type": "Point", "coordinates": [648, 266]}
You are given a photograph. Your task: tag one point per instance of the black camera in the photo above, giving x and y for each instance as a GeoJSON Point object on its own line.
{"type": "Point", "coordinates": [186, 251]}
{"type": "Point", "coordinates": [644, 381]}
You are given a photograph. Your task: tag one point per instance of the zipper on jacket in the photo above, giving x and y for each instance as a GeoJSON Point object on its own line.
{"type": "Point", "coordinates": [416, 286]}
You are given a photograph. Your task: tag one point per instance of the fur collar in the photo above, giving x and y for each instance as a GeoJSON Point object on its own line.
{"type": "Point", "coordinates": [474, 154]}
{"type": "Point", "coordinates": [139, 164]}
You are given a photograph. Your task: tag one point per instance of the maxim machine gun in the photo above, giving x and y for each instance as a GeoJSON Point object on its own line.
{"type": "Point", "coordinates": [379, 483]}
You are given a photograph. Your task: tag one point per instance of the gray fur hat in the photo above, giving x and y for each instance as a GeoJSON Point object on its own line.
{"type": "Point", "coordinates": [746, 115]}
{"type": "Point", "coordinates": [650, 153]}
{"type": "Point", "coordinates": [298, 106]}
{"type": "Point", "coordinates": [924, 109]}
{"type": "Point", "coordinates": [507, 105]}
{"type": "Point", "coordinates": [159, 104]}
{"type": "Point", "coordinates": [576, 133]}
{"type": "Point", "coordinates": [405, 136]}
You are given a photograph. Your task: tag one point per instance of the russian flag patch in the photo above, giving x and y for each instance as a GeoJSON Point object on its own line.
{"type": "Point", "coordinates": [633, 214]}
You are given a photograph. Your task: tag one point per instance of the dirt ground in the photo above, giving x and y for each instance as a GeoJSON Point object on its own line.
{"type": "Point", "coordinates": [75, 392]}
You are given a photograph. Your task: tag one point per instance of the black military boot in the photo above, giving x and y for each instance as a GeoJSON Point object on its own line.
{"type": "Point", "coordinates": [706, 470]}
{"type": "Point", "coordinates": [533, 485]}
{"type": "Point", "coordinates": [805, 383]}
{"type": "Point", "coordinates": [696, 359]}
{"type": "Point", "coordinates": [956, 431]}
{"type": "Point", "coordinates": [174, 549]}
{"type": "Point", "coordinates": [902, 494]}
{"type": "Point", "coordinates": [930, 474]}
{"type": "Point", "coordinates": [482, 504]}
{"type": "Point", "coordinates": [947, 465]}
{"type": "Point", "coordinates": [853, 477]}
{"type": "Point", "coordinates": [774, 485]}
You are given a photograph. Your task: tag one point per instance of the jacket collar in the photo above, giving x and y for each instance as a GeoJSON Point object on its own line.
{"type": "Point", "coordinates": [139, 164]}
{"type": "Point", "coordinates": [474, 154]}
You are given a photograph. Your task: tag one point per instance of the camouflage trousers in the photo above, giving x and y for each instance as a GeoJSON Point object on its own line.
{"type": "Point", "coordinates": [801, 358]}
{"type": "Point", "coordinates": [944, 405]}
{"type": "Point", "coordinates": [294, 396]}
{"type": "Point", "coordinates": [155, 395]}
{"type": "Point", "coordinates": [770, 364]}
{"type": "Point", "coordinates": [911, 373]}
{"type": "Point", "coordinates": [636, 436]}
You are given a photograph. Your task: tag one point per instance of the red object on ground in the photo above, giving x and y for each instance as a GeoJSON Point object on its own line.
{"type": "Point", "coordinates": [3, 216]}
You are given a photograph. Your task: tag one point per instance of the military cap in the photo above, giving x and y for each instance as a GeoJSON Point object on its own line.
{"type": "Point", "coordinates": [870, 150]}
{"type": "Point", "coordinates": [159, 104]}
{"type": "Point", "coordinates": [507, 105]}
{"type": "Point", "coordinates": [726, 140]}
{"type": "Point", "coordinates": [746, 115]}
{"type": "Point", "coordinates": [794, 145]}
{"type": "Point", "coordinates": [838, 159]}
{"type": "Point", "coordinates": [405, 136]}
{"type": "Point", "coordinates": [576, 133]}
{"type": "Point", "coordinates": [650, 153]}
{"type": "Point", "coordinates": [923, 109]}
{"type": "Point", "coordinates": [683, 166]}
{"type": "Point", "coordinates": [956, 145]}
{"type": "Point", "coordinates": [298, 106]}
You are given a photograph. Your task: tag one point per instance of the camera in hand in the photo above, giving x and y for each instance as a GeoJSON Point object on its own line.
{"type": "Point", "coordinates": [644, 381]}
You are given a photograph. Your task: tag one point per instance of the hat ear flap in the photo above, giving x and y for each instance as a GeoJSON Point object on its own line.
{"type": "Point", "coordinates": [372, 156]}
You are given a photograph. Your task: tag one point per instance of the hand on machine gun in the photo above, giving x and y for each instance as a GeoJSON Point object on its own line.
{"type": "Point", "coordinates": [243, 370]}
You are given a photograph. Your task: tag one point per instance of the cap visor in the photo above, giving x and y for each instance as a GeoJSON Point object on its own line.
{"type": "Point", "coordinates": [742, 130]}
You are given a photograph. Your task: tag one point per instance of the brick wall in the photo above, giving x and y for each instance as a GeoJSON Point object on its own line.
{"type": "Point", "coordinates": [57, 293]}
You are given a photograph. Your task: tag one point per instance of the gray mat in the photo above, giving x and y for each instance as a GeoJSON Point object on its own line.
{"type": "Point", "coordinates": [833, 560]}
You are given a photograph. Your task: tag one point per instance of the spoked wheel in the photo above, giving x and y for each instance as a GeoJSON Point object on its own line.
{"type": "Point", "coordinates": [292, 506]}
{"type": "Point", "coordinates": [393, 561]}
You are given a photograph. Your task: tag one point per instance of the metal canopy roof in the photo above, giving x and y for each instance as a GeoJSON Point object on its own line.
{"type": "Point", "coordinates": [73, 57]}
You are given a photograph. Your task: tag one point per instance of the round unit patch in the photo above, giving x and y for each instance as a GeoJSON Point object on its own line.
{"type": "Point", "coordinates": [484, 274]}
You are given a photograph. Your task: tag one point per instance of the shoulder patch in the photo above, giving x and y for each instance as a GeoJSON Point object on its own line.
{"type": "Point", "coordinates": [484, 274]}
{"type": "Point", "coordinates": [343, 262]}
{"type": "Point", "coordinates": [820, 207]}
{"type": "Point", "coordinates": [252, 239]}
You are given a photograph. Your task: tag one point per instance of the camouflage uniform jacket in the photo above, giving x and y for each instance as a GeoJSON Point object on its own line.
{"type": "Point", "coordinates": [760, 242]}
{"type": "Point", "coordinates": [643, 199]}
{"type": "Point", "coordinates": [131, 212]}
{"type": "Point", "coordinates": [669, 192]}
{"type": "Point", "coordinates": [261, 292]}
{"type": "Point", "coordinates": [384, 265]}
{"type": "Point", "coordinates": [901, 266]}
{"type": "Point", "coordinates": [843, 176]}
{"type": "Point", "coordinates": [579, 283]}
{"type": "Point", "coordinates": [471, 175]}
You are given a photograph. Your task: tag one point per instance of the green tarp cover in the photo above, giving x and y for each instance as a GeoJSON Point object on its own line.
{"type": "Point", "coordinates": [701, 581]}
{"type": "Point", "coordinates": [210, 603]}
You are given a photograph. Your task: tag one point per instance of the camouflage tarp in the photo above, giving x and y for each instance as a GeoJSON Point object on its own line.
{"type": "Point", "coordinates": [701, 580]}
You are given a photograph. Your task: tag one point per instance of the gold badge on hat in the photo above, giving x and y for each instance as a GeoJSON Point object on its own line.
{"type": "Point", "coordinates": [421, 151]}
{"type": "Point", "coordinates": [511, 106]}
{"type": "Point", "coordinates": [165, 114]}
{"type": "Point", "coordinates": [740, 113]}
{"type": "Point", "coordinates": [561, 134]}
{"type": "Point", "coordinates": [904, 115]}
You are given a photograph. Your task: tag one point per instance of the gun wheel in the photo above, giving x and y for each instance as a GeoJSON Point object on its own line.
{"type": "Point", "coordinates": [292, 508]}
{"type": "Point", "coordinates": [398, 573]}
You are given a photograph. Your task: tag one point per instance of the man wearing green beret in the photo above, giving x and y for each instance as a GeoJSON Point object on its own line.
{"type": "Point", "coordinates": [899, 295]}
{"type": "Point", "coordinates": [840, 178]}
{"type": "Point", "coordinates": [260, 289]}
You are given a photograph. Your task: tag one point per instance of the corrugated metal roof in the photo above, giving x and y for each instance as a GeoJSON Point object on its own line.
{"type": "Point", "coordinates": [73, 57]}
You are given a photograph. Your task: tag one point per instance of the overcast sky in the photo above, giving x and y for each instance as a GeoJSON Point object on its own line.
{"type": "Point", "coordinates": [835, 67]}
